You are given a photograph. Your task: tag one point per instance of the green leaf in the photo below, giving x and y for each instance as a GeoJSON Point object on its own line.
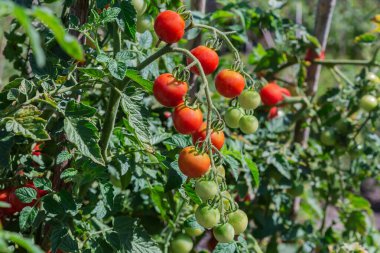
{"type": "Point", "coordinates": [16, 238]}
{"type": "Point", "coordinates": [281, 164]}
{"type": "Point", "coordinates": [254, 170]}
{"type": "Point", "coordinates": [26, 194]}
{"type": "Point", "coordinates": [127, 20]}
{"type": "Point", "coordinates": [6, 144]}
{"type": "Point", "coordinates": [133, 237]}
{"type": "Point", "coordinates": [103, 58]}
{"type": "Point", "coordinates": [175, 177]}
{"type": "Point", "coordinates": [61, 238]}
{"type": "Point", "coordinates": [190, 192]}
{"type": "Point", "coordinates": [84, 134]}
{"type": "Point", "coordinates": [68, 43]}
{"type": "Point", "coordinates": [79, 110]}
{"type": "Point", "coordinates": [42, 183]}
{"type": "Point", "coordinates": [137, 78]}
{"type": "Point", "coordinates": [68, 174]}
{"type": "Point", "coordinates": [313, 40]}
{"type": "Point", "coordinates": [20, 14]}
{"type": "Point", "coordinates": [366, 38]}
{"type": "Point", "coordinates": [225, 248]}
{"type": "Point", "coordinates": [109, 15]}
{"type": "Point", "coordinates": [136, 123]}
{"type": "Point", "coordinates": [27, 216]}
{"type": "Point", "coordinates": [92, 72]}
{"type": "Point", "coordinates": [145, 40]}
{"type": "Point", "coordinates": [27, 123]}
{"type": "Point", "coordinates": [117, 69]}
{"type": "Point", "coordinates": [63, 157]}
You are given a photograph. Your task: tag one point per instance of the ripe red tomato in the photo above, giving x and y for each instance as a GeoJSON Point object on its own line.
{"type": "Point", "coordinates": [187, 120]}
{"type": "Point", "coordinates": [192, 163]}
{"type": "Point", "coordinates": [207, 57]}
{"type": "Point", "coordinates": [311, 55]}
{"type": "Point", "coordinates": [271, 94]}
{"type": "Point", "coordinates": [229, 83]}
{"type": "Point", "coordinates": [169, 91]}
{"type": "Point", "coordinates": [169, 26]}
{"type": "Point", "coordinates": [217, 138]}
{"type": "Point", "coordinates": [273, 112]}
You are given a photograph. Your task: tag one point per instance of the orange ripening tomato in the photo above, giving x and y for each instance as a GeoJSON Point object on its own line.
{"type": "Point", "coordinates": [271, 94]}
{"type": "Point", "coordinates": [217, 138]}
{"type": "Point", "coordinates": [169, 91]}
{"type": "Point", "coordinates": [273, 112]}
{"type": "Point", "coordinates": [187, 120]}
{"type": "Point", "coordinates": [192, 163]}
{"type": "Point", "coordinates": [207, 57]}
{"type": "Point", "coordinates": [229, 83]}
{"type": "Point", "coordinates": [169, 26]}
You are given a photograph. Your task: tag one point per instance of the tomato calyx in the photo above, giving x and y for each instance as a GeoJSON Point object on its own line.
{"type": "Point", "coordinates": [214, 43]}
{"type": "Point", "coordinates": [184, 13]}
{"type": "Point", "coordinates": [181, 73]}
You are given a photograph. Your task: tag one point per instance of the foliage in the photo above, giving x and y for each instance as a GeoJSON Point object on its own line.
{"type": "Point", "coordinates": [92, 158]}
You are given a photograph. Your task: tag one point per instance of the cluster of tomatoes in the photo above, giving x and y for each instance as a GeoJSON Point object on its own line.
{"type": "Point", "coordinates": [218, 212]}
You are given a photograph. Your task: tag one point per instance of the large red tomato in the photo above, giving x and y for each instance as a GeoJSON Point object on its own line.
{"type": "Point", "coordinates": [192, 163]}
{"type": "Point", "coordinates": [207, 57]}
{"type": "Point", "coordinates": [169, 91]}
{"type": "Point", "coordinates": [229, 83]}
{"type": "Point", "coordinates": [169, 26]}
{"type": "Point", "coordinates": [271, 94]}
{"type": "Point", "coordinates": [187, 120]}
{"type": "Point", "coordinates": [217, 138]}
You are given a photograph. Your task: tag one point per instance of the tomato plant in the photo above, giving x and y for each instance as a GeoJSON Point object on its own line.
{"type": "Point", "coordinates": [189, 126]}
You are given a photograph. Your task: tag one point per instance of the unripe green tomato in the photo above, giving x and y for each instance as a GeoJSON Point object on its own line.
{"type": "Point", "coordinates": [226, 200]}
{"type": "Point", "coordinates": [140, 6]}
{"type": "Point", "coordinates": [181, 244]}
{"type": "Point", "coordinates": [328, 138]}
{"type": "Point", "coordinates": [192, 227]}
{"type": "Point", "coordinates": [207, 216]}
{"type": "Point", "coordinates": [249, 99]}
{"type": "Point", "coordinates": [144, 23]}
{"type": "Point", "coordinates": [343, 126]}
{"type": "Point", "coordinates": [239, 221]}
{"type": "Point", "coordinates": [373, 78]}
{"type": "Point", "coordinates": [248, 124]}
{"type": "Point", "coordinates": [190, 231]}
{"type": "Point", "coordinates": [232, 117]}
{"type": "Point", "coordinates": [368, 103]}
{"type": "Point", "coordinates": [224, 233]}
{"type": "Point", "coordinates": [206, 189]}
{"type": "Point", "coordinates": [221, 173]}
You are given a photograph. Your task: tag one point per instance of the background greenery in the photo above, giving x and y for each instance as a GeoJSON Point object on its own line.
{"type": "Point", "coordinates": [298, 199]}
